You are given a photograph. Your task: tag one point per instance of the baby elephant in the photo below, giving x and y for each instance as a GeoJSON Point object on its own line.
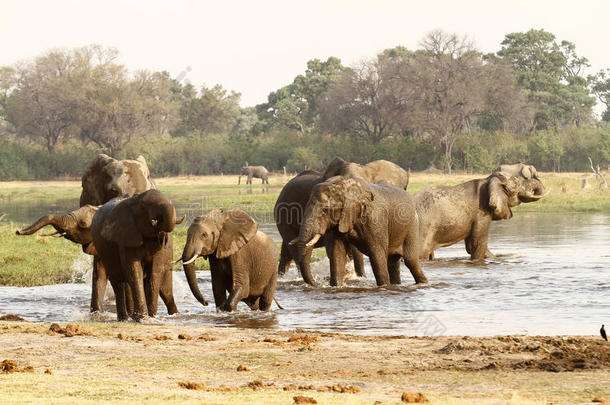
{"type": "Point", "coordinates": [243, 260]}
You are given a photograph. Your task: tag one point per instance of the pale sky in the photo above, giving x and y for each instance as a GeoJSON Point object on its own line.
{"type": "Point", "coordinates": [255, 47]}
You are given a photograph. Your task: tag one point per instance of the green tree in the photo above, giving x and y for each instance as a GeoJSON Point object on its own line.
{"type": "Point", "coordinates": [296, 106]}
{"type": "Point", "coordinates": [600, 86]}
{"type": "Point", "coordinates": [552, 75]}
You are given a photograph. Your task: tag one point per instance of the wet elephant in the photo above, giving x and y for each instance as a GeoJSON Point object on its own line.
{"type": "Point", "coordinates": [449, 214]}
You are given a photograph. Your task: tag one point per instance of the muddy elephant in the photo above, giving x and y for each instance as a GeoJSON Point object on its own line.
{"type": "Point", "coordinates": [290, 206]}
{"type": "Point", "coordinates": [106, 178]}
{"type": "Point", "coordinates": [258, 172]}
{"type": "Point", "coordinates": [74, 226]}
{"type": "Point", "coordinates": [242, 259]}
{"type": "Point", "coordinates": [378, 219]}
{"type": "Point", "coordinates": [448, 215]}
{"type": "Point", "coordinates": [133, 239]}
{"type": "Point", "coordinates": [519, 170]}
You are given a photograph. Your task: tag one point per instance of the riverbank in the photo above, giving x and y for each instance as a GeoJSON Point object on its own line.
{"type": "Point", "coordinates": [115, 362]}
{"type": "Point", "coordinates": [35, 260]}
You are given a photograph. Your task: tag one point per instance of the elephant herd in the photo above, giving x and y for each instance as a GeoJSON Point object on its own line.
{"type": "Point", "coordinates": [126, 224]}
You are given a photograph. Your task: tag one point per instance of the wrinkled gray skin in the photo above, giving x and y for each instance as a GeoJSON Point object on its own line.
{"type": "Point", "coordinates": [448, 215]}
{"type": "Point", "coordinates": [133, 240]}
{"type": "Point", "coordinates": [258, 172]}
{"type": "Point", "coordinates": [519, 170]}
{"type": "Point", "coordinates": [106, 178]}
{"type": "Point", "coordinates": [74, 226]}
{"type": "Point", "coordinates": [242, 259]}
{"type": "Point", "coordinates": [379, 219]}
{"type": "Point", "coordinates": [290, 206]}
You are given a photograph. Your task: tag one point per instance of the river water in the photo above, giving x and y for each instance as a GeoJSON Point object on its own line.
{"type": "Point", "coordinates": [551, 276]}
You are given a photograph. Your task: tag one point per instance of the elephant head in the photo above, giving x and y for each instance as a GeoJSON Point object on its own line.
{"type": "Point", "coordinates": [74, 226]}
{"type": "Point", "coordinates": [219, 233]}
{"type": "Point", "coordinates": [506, 191]}
{"type": "Point", "coordinates": [146, 216]}
{"type": "Point", "coordinates": [337, 203]}
{"type": "Point", "coordinates": [519, 170]}
{"type": "Point", "coordinates": [106, 178]}
{"type": "Point", "coordinates": [373, 172]}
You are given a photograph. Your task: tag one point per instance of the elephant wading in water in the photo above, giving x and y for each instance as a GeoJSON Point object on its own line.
{"type": "Point", "coordinates": [290, 206]}
{"type": "Point", "coordinates": [379, 219]}
{"type": "Point", "coordinates": [104, 179]}
{"type": "Point", "coordinates": [258, 172]}
{"type": "Point", "coordinates": [448, 215]}
{"type": "Point", "coordinates": [133, 240]}
{"type": "Point", "coordinates": [242, 259]}
{"type": "Point", "coordinates": [74, 226]}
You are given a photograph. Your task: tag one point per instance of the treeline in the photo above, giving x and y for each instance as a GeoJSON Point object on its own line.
{"type": "Point", "coordinates": [445, 105]}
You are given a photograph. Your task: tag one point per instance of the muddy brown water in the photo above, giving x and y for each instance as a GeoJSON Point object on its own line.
{"type": "Point", "coordinates": [551, 276]}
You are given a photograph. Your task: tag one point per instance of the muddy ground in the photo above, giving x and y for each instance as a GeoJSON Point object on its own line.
{"type": "Point", "coordinates": [116, 362]}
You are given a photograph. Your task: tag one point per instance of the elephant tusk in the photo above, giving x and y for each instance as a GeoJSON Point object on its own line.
{"type": "Point", "coordinates": [293, 242]}
{"type": "Point", "coordinates": [191, 260]}
{"type": "Point", "coordinates": [177, 260]}
{"type": "Point", "coordinates": [181, 220]}
{"type": "Point", "coordinates": [55, 234]}
{"type": "Point", "coordinates": [313, 240]}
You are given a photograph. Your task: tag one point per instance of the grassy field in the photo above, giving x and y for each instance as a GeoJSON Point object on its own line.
{"type": "Point", "coordinates": [34, 260]}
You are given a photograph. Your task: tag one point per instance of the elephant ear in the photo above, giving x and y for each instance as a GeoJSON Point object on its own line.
{"type": "Point", "coordinates": [146, 172]}
{"type": "Point", "coordinates": [527, 172]}
{"type": "Point", "coordinates": [356, 199]}
{"type": "Point", "coordinates": [120, 226]}
{"type": "Point", "coordinates": [93, 180]}
{"type": "Point", "coordinates": [498, 197]}
{"type": "Point", "coordinates": [334, 168]}
{"type": "Point", "coordinates": [237, 230]}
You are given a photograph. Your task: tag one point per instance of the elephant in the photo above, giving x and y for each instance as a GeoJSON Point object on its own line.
{"type": "Point", "coordinates": [519, 170]}
{"type": "Point", "coordinates": [104, 179]}
{"type": "Point", "coordinates": [258, 172]}
{"type": "Point", "coordinates": [449, 214]}
{"type": "Point", "coordinates": [378, 219]}
{"type": "Point", "coordinates": [242, 259]}
{"type": "Point", "coordinates": [76, 227]}
{"type": "Point", "coordinates": [290, 206]}
{"type": "Point", "coordinates": [132, 237]}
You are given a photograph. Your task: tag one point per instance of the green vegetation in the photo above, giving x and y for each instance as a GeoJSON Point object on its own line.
{"type": "Point", "coordinates": [444, 104]}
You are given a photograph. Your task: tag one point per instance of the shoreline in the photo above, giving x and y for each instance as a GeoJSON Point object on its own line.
{"type": "Point", "coordinates": [112, 362]}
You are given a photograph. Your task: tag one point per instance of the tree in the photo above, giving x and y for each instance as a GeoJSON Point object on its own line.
{"type": "Point", "coordinates": [296, 106]}
{"type": "Point", "coordinates": [40, 105]}
{"type": "Point", "coordinates": [369, 100]}
{"type": "Point", "coordinates": [600, 86]}
{"type": "Point", "coordinates": [449, 77]}
{"type": "Point", "coordinates": [552, 75]}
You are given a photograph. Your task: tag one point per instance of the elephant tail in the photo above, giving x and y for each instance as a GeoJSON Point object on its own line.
{"type": "Point", "coordinates": [277, 303]}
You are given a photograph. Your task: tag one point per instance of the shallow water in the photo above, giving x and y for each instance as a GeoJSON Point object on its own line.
{"type": "Point", "coordinates": [551, 276]}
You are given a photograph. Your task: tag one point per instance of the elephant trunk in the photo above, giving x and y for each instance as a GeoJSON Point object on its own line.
{"type": "Point", "coordinates": [58, 221]}
{"type": "Point", "coordinates": [534, 191]}
{"type": "Point", "coordinates": [189, 272]}
{"type": "Point", "coordinates": [306, 242]}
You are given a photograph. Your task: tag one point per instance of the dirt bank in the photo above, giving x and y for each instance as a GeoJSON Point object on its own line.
{"type": "Point", "coordinates": [101, 362]}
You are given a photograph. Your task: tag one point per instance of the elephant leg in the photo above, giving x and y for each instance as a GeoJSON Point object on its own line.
{"type": "Point", "coordinates": [358, 258]}
{"type": "Point", "coordinates": [337, 254]}
{"type": "Point", "coordinates": [119, 294]}
{"type": "Point", "coordinates": [469, 243]}
{"type": "Point", "coordinates": [268, 293]}
{"type": "Point", "coordinates": [219, 288]}
{"type": "Point", "coordinates": [129, 306]}
{"type": "Point", "coordinates": [154, 281]}
{"type": "Point", "coordinates": [410, 253]}
{"type": "Point", "coordinates": [285, 258]}
{"type": "Point", "coordinates": [98, 285]}
{"type": "Point", "coordinates": [394, 269]}
{"type": "Point", "coordinates": [167, 292]}
{"type": "Point", "coordinates": [239, 180]}
{"type": "Point", "coordinates": [379, 263]}
{"type": "Point", "coordinates": [254, 303]}
{"type": "Point", "coordinates": [135, 279]}
{"type": "Point", "coordinates": [477, 240]}
{"type": "Point", "coordinates": [239, 288]}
